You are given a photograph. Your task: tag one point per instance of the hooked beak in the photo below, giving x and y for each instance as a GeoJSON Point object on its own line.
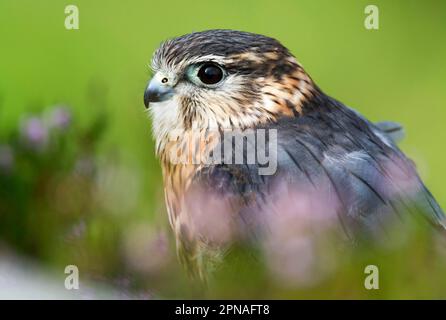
{"type": "Point", "coordinates": [157, 91]}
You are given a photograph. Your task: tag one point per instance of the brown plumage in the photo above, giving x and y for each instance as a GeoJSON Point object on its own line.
{"type": "Point", "coordinates": [264, 78]}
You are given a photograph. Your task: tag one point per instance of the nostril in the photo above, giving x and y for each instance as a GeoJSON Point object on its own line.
{"type": "Point", "coordinates": [164, 80]}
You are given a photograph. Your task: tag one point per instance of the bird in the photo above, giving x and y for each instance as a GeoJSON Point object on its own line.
{"type": "Point", "coordinates": [330, 161]}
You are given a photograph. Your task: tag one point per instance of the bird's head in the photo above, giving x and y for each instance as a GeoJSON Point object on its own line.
{"type": "Point", "coordinates": [223, 79]}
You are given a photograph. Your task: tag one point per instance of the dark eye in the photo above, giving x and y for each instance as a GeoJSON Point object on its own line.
{"type": "Point", "coordinates": [210, 73]}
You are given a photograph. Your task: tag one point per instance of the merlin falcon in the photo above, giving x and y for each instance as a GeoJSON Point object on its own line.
{"type": "Point", "coordinates": [332, 166]}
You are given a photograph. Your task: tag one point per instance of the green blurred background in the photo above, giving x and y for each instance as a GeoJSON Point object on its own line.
{"type": "Point", "coordinates": [395, 73]}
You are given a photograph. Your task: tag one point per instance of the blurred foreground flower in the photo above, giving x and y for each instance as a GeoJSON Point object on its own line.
{"type": "Point", "coordinates": [60, 118]}
{"type": "Point", "coordinates": [34, 133]}
{"type": "Point", "coordinates": [44, 195]}
{"type": "Point", "coordinates": [208, 217]}
{"type": "Point", "coordinates": [145, 249]}
{"type": "Point", "coordinates": [297, 245]}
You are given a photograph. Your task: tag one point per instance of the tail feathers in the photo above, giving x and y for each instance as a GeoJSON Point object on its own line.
{"type": "Point", "coordinates": [393, 130]}
{"type": "Point", "coordinates": [434, 208]}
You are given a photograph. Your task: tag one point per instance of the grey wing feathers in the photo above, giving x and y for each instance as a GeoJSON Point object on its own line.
{"type": "Point", "coordinates": [347, 157]}
{"type": "Point", "coordinates": [389, 129]}
{"type": "Point", "coordinates": [372, 178]}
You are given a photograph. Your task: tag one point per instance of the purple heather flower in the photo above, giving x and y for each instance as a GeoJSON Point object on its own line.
{"type": "Point", "coordinates": [34, 132]}
{"type": "Point", "coordinates": [297, 244]}
{"type": "Point", "coordinates": [60, 118]}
